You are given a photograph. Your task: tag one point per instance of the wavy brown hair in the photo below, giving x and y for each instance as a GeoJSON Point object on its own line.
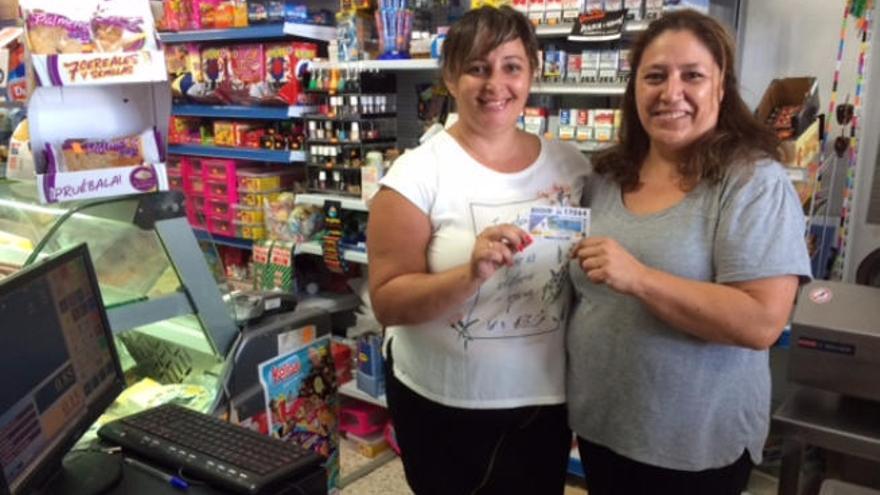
{"type": "Point", "coordinates": [737, 139]}
{"type": "Point", "coordinates": [479, 31]}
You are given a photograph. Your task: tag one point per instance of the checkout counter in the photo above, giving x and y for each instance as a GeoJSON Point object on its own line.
{"type": "Point", "coordinates": [174, 325]}
{"type": "Point", "coordinates": [835, 361]}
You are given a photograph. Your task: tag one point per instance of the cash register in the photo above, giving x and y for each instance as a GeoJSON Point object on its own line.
{"type": "Point", "coordinates": [59, 371]}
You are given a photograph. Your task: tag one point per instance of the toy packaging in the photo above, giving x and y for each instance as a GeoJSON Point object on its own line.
{"type": "Point", "coordinates": [215, 64]}
{"type": "Point", "coordinates": [247, 64]}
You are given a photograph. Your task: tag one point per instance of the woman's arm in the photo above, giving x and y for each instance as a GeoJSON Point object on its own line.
{"type": "Point", "coordinates": [749, 314]}
{"type": "Point", "coordinates": [401, 289]}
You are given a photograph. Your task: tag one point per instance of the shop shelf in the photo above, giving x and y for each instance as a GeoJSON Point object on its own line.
{"type": "Point", "coordinates": [242, 112]}
{"type": "Point", "coordinates": [264, 32]}
{"type": "Point", "coordinates": [557, 31]}
{"type": "Point", "coordinates": [347, 203]}
{"type": "Point", "coordinates": [204, 235]}
{"type": "Point", "coordinates": [349, 389]}
{"type": "Point", "coordinates": [408, 64]}
{"type": "Point", "coordinates": [239, 153]}
{"type": "Point", "coordinates": [579, 89]}
{"type": "Point", "coordinates": [314, 247]}
{"type": "Point", "coordinates": [330, 302]}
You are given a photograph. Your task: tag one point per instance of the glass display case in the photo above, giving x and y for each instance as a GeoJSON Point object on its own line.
{"type": "Point", "coordinates": [165, 307]}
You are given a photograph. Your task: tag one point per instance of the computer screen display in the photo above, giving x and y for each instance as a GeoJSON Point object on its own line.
{"type": "Point", "coordinates": [58, 364]}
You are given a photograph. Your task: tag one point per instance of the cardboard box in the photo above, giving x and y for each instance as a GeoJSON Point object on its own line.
{"type": "Point", "coordinates": [791, 91]}
{"type": "Point", "coordinates": [8, 10]}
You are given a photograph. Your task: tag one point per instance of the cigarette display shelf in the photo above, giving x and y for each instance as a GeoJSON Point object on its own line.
{"type": "Point", "coordinates": [563, 30]}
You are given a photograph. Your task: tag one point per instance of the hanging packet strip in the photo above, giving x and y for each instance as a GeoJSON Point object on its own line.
{"type": "Point", "coordinates": [86, 26]}
{"type": "Point", "coordinates": [91, 154]}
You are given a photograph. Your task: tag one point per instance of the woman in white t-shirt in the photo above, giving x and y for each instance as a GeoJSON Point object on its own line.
{"type": "Point", "coordinates": [474, 306]}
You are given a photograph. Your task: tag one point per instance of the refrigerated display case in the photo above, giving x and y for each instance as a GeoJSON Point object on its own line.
{"type": "Point", "coordinates": [169, 314]}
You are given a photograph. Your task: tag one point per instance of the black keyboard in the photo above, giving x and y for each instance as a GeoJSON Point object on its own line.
{"type": "Point", "coordinates": [220, 453]}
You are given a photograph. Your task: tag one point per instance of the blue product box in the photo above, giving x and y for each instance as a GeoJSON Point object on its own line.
{"type": "Point", "coordinates": [370, 374]}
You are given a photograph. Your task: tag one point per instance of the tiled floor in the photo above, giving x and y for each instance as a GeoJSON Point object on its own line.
{"type": "Point", "coordinates": [389, 479]}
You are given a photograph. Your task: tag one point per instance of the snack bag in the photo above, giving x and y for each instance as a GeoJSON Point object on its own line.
{"type": "Point", "coordinates": [57, 27]}
{"type": "Point", "coordinates": [90, 154]}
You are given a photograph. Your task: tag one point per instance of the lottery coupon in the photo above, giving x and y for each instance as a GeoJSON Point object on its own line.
{"type": "Point", "coordinates": [559, 222]}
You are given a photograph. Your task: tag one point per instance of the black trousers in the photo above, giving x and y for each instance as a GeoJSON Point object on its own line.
{"type": "Point", "coordinates": [454, 451]}
{"type": "Point", "coordinates": [609, 473]}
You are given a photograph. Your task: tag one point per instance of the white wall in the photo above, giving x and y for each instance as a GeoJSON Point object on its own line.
{"type": "Point", "coordinates": [783, 38]}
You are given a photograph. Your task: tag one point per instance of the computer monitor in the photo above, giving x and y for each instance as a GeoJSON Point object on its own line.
{"type": "Point", "coordinates": [58, 366]}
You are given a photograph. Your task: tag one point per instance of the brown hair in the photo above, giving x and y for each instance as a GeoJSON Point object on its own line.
{"type": "Point", "coordinates": [737, 139]}
{"type": "Point", "coordinates": [482, 30]}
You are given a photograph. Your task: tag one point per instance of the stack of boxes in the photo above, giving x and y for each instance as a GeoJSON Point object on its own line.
{"type": "Point", "coordinates": [227, 197]}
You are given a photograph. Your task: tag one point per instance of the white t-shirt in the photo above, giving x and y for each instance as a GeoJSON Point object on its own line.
{"type": "Point", "coordinates": [504, 347]}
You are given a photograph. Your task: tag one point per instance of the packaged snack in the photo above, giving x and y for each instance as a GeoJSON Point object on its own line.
{"type": "Point", "coordinates": [240, 14]}
{"type": "Point", "coordinates": [57, 27]}
{"type": "Point", "coordinates": [203, 13]}
{"type": "Point", "coordinates": [256, 12]}
{"type": "Point", "coordinates": [224, 15]}
{"type": "Point", "coordinates": [91, 154]}
{"type": "Point", "coordinates": [119, 34]}
{"type": "Point", "coordinates": [224, 133]}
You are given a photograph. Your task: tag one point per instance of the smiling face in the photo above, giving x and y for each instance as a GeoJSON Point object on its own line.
{"type": "Point", "coordinates": [678, 91]}
{"type": "Point", "coordinates": [491, 91]}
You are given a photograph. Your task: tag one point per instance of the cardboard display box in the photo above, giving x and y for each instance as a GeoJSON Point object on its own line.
{"type": "Point", "coordinates": [803, 148]}
{"type": "Point", "coordinates": [802, 91]}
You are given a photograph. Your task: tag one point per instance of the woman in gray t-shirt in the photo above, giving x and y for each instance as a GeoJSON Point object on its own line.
{"type": "Point", "coordinates": [690, 273]}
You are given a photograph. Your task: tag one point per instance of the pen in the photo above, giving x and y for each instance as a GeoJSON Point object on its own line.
{"type": "Point", "coordinates": [174, 481]}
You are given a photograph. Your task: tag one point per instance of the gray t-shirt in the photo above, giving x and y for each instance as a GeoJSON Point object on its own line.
{"type": "Point", "coordinates": [653, 393]}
